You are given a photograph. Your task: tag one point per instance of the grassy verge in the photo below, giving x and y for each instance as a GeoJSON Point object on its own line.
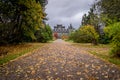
{"type": "Point", "coordinates": [15, 51]}
{"type": "Point", "coordinates": [67, 40]}
{"type": "Point", "coordinates": [101, 51]}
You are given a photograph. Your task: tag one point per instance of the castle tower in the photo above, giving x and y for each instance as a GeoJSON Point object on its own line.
{"type": "Point", "coordinates": [60, 30]}
{"type": "Point", "coordinates": [70, 28]}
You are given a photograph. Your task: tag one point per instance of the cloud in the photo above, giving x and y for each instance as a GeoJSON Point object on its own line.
{"type": "Point", "coordinates": [67, 11]}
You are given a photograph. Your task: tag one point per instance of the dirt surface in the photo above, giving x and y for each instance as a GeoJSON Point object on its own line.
{"type": "Point", "coordinates": [59, 61]}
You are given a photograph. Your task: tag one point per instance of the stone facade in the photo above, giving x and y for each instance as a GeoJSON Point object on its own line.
{"type": "Point", "coordinates": [62, 30]}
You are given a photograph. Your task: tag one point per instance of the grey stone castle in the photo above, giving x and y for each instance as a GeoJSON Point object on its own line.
{"type": "Point", "coordinates": [62, 30]}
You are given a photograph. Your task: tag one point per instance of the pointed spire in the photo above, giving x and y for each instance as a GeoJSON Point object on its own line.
{"type": "Point", "coordinates": [70, 27]}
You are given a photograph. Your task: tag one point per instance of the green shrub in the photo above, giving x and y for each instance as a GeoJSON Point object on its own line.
{"type": "Point", "coordinates": [44, 34]}
{"type": "Point", "coordinates": [104, 39]}
{"type": "Point", "coordinates": [113, 31]}
{"type": "Point", "coordinates": [80, 37]}
{"type": "Point", "coordinates": [85, 34]}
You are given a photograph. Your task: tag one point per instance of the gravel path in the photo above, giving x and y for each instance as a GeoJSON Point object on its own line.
{"type": "Point", "coordinates": [59, 61]}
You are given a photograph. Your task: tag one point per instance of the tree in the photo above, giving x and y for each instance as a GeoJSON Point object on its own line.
{"type": "Point", "coordinates": [49, 32]}
{"type": "Point", "coordinates": [32, 18]}
{"type": "Point", "coordinates": [44, 34]}
{"type": "Point", "coordinates": [85, 20]}
{"type": "Point", "coordinates": [20, 19]}
{"type": "Point", "coordinates": [55, 35]}
{"type": "Point", "coordinates": [92, 18]}
{"type": "Point", "coordinates": [91, 32]}
{"type": "Point", "coordinates": [110, 10]}
{"type": "Point", "coordinates": [95, 18]}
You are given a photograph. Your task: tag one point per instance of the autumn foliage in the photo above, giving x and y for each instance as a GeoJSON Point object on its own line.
{"type": "Point", "coordinates": [55, 35]}
{"type": "Point", "coordinates": [85, 34]}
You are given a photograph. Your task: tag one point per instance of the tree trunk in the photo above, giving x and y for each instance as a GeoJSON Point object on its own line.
{"type": "Point", "coordinates": [94, 41]}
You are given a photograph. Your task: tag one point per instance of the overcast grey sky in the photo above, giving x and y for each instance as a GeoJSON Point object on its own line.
{"type": "Point", "coordinates": [67, 11]}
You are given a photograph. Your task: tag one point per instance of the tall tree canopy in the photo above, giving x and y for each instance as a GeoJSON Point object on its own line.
{"type": "Point", "coordinates": [92, 18]}
{"type": "Point", "coordinates": [110, 10]}
{"type": "Point", "coordinates": [20, 19]}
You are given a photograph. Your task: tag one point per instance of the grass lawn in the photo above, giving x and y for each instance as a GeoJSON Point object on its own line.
{"type": "Point", "coordinates": [101, 51]}
{"type": "Point", "coordinates": [15, 51]}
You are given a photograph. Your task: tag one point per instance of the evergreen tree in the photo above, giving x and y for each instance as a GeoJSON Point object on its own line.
{"type": "Point", "coordinates": [44, 34]}
{"type": "Point", "coordinates": [110, 10]}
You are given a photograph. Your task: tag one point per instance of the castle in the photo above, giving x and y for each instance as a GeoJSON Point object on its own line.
{"type": "Point", "coordinates": [61, 30]}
